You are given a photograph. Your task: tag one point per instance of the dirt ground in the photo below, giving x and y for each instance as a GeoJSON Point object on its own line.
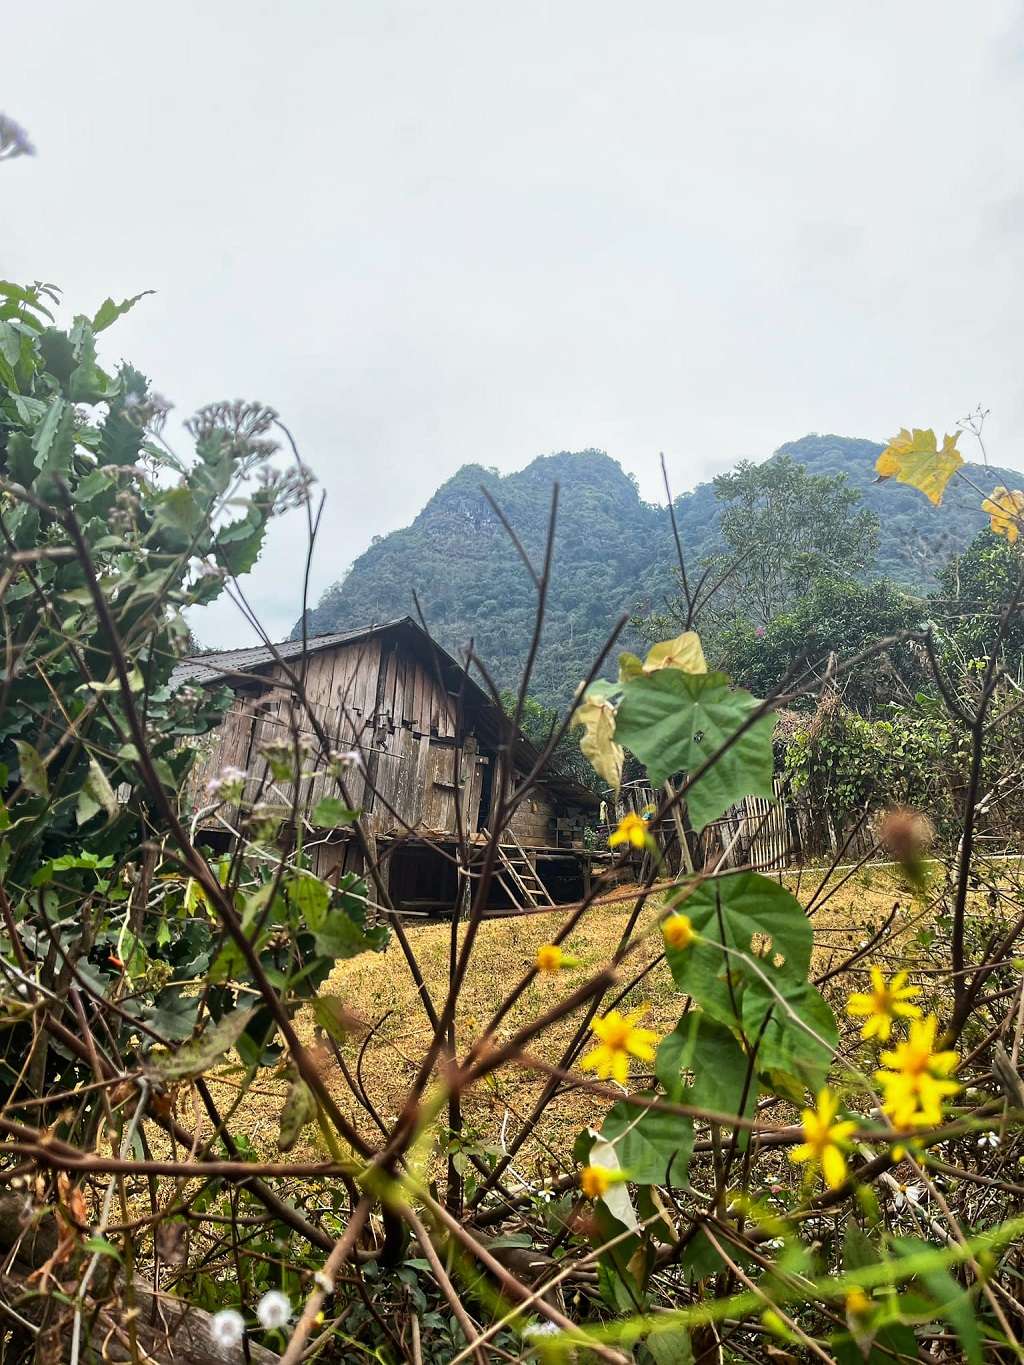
{"type": "Point", "coordinates": [379, 990]}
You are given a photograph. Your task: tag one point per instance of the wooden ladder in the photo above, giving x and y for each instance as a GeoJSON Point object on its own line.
{"type": "Point", "coordinates": [517, 874]}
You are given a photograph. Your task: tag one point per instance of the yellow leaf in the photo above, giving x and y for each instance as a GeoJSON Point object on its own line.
{"type": "Point", "coordinates": [1006, 510]}
{"type": "Point", "coordinates": [684, 653]}
{"type": "Point", "coordinates": [915, 459]}
{"type": "Point", "coordinates": [597, 715]}
{"type": "Point", "coordinates": [629, 667]}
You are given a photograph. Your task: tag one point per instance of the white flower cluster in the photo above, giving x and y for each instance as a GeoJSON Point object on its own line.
{"type": "Point", "coordinates": [225, 782]}
{"type": "Point", "coordinates": [349, 758]}
{"type": "Point", "coordinates": [274, 1310]}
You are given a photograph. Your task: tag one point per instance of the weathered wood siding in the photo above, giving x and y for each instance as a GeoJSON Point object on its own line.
{"type": "Point", "coordinates": [377, 699]}
{"type": "Point", "coordinates": [533, 821]}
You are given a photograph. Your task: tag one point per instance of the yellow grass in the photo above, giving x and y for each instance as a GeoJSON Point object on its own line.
{"type": "Point", "coordinates": [379, 990]}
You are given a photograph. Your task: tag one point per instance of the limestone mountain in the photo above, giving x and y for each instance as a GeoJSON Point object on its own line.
{"type": "Point", "coordinates": [614, 554]}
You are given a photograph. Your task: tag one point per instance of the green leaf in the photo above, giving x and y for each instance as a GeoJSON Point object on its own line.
{"type": "Point", "coordinates": [195, 1057]}
{"type": "Point", "coordinates": [330, 1013]}
{"type": "Point", "coordinates": [237, 545]}
{"type": "Point", "coordinates": [671, 1346]}
{"type": "Point", "coordinates": [719, 1066]}
{"type": "Point", "coordinates": [651, 1145]}
{"type": "Point", "coordinates": [53, 442]}
{"type": "Point", "coordinates": [955, 1305]}
{"type": "Point", "coordinates": [174, 1013]}
{"type": "Point", "coordinates": [892, 1342]}
{"type": "Point", "coordinates": [95, 795]}
{"type": "Point", "coordinates": [299, 1109]}
{"type": "Point", "coordinates": [88, 383]}
{"type": "Point", "coordinates": [33, 771]}
{"type": "Point", "coordinates": [729, 911]}
{"type": "Point", "coordinates": [311, 898]}
{"type": "Point", "coordinates": [120, 437]}
{"type": "Point", "coordinates": [330, 813]}
{"type": "Point", "coordinates": [795, 1053]}
{"type": "Point", "coordinates": [109, 311]}
{"type": "Point", "coordinates": [341, 937]}
{"type": "Point", "coordinates": [10, 343]}
{"type": "Point", "coordinates": [675, 721]}
{"type": "Point", "coordinates": [102, 1246]}
{"type": "Point", "coordinates": [858, 1251]}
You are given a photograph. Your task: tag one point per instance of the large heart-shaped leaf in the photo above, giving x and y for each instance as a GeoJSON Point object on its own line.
{"type": "Point", "coordinates": [651, 1145]}
{"type": "Point", "coordinates": [675, 721]}
{"type": "Point", "coordinates": [727, 913]}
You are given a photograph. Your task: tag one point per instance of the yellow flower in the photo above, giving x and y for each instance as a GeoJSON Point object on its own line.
{"type": "Point", "coordinates": [1005, 509]}
{"type": "Point", "coordinates": [595, 1181]}
{"type": "Point", "coordinates": [825, 1141]}
{"type": "Point", "coordinates": [620, 1039]}
{"type": "Point", "coordinates": [678, 931]}
{"type": "Point", "coordinates": [884, 1003]}
{"type": "Point", "coordinates": [858, 1305]}
{"type": "Point", "coordinates": [549, 959]}
{"type": "Point", "coordinates": [632, 830]}
{"type": "Point", "coordinates": [917, 1081]}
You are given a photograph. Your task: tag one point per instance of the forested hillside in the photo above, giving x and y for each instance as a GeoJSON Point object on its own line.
{"type": "Point", "coordinates": [614, 553]}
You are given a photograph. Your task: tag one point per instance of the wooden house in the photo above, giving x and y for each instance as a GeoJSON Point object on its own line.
{"type": "Point", "coordinates": [424, 744]}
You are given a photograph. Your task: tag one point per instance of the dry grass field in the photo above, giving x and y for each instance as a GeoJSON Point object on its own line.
{"type": "Point", "coordinates": [378, 989]}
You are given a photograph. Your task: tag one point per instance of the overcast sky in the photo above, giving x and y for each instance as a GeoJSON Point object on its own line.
{"type": "Point", "coordinates": [448, 232]}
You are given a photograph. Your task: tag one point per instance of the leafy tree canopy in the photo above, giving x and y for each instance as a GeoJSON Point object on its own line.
{"type": "Point", "coordinates": [783, 529]}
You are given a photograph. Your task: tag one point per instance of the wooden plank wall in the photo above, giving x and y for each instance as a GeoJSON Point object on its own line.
{"type": "Point", "coordinates": [533, 821]}
{"type": "Point", "coordinates": [382, 702]}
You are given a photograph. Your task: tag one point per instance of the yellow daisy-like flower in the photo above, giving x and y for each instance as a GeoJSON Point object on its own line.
{"type": "Point", "coordinates": [918, 1078]}
{"type": "Point", "coordinates": [632, 830]}
{"type": "Point", "coordinates": [1006, 510]}
{"type": "Point", "coordinates": [550, 959]}
{"type": "Point", "coordinates": [596, 1181]}
{"type": "Point", "coordinates": [620, 1039]}
{"type": "Point", "coordinates": [678, 931]}
{"type": "Point", "coordinates": [858, 1305]}
{"type": "Point", "coordinates": [825, 1141]}
{"type": "Point", "coordinates": [885, 1002]}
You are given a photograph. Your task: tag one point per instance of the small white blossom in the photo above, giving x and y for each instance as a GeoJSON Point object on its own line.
{"type": "Point", "coordinates": [351, 758]}
{"type": "Point", "coordinates": [540, 1329]}
{"type": "Point", "coordinates": [274, 1309]}
{"type": "Point", "coordinates": [908, 1195]}
{"type": "Point", "coordinates": [227, 777]}
{"type": "Point", "coordinates": [227, 1328]}
{"type": "Point", "coordinates": [989, 1140]}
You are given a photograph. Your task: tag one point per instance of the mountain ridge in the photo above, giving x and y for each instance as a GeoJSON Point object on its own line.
{"type": "Point", "coordinates": [614, 553]}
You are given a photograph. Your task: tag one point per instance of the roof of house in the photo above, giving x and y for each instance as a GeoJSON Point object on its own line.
{"type": "Point", "coordinates": [234, 664]}
{"type": "Point", "coordinates": [223, 664]}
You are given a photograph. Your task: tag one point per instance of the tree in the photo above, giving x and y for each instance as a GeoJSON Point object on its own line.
{"type": "Point", "coordinates": [538, 722]}
{"type": "Point", "coordinates": [837, 616]}
{"type": "Point", "coordinates": [975, 589]}
{"type": "Point", "coordinates": [783, 529]}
